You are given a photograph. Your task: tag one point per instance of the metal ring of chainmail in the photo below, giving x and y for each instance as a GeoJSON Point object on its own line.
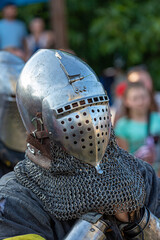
{"type": "Point", "coordinates": [71, 188]}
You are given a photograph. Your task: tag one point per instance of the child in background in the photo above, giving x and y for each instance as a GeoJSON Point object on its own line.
{"type": "Point", "coordinates": [138, 130]}
{"type": "Point", "coordinates": [137, 74]}
{"type": "Point", "coordinates": [39, 37]}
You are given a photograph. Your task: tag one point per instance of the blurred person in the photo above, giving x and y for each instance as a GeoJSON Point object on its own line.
{"type": "Point", "coordinates": [138, 74]}
{"type": "Point", "coordinates": [12, 131]}
{"type": "Point", "coordinates": [107, 78]}
{"type": "Point", "coordinates": [116, 108]}
{"type": "Point", "coordinates": [12, 31]}
{"type": "Point", "coordinates": [140, 124]}
{"type": "Point", "coordinates": [39, 37]}
{"type": "Point", "coordinates": [111, 78]}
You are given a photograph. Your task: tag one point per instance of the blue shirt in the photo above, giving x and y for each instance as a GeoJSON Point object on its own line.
{"type": "Point", "coordinates": [12, 33]}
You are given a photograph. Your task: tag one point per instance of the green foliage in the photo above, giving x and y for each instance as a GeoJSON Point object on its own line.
{"type": "Point", "coordinates": [99, 31]}
{"type": "Point", "coordinates": [27, 13]}
{"type": "Point", "coordinates": [107, 29]}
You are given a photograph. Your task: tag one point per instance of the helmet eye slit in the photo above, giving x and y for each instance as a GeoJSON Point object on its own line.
{"type": "Point", "coordinates": [74, 106]}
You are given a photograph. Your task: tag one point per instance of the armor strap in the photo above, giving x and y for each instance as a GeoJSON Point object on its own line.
{"type": "Point", "coordinates": [35, 156]}
{"type": "Point", "coordinates": [36, 145]}
{"type": "Point", "coordinates": [134, 229]}
{"type": "Point", "coordinates": [41, 134]}
{"type": "Point", "coordinates": [90, 226]}
{"type": "Point", "coordinates": [92, 217]}
{"type": "Point", "coordinates": [147, 228]}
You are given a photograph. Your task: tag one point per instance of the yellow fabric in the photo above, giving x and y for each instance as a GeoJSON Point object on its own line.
{"type": "Point", "coordinates": [26, 237]}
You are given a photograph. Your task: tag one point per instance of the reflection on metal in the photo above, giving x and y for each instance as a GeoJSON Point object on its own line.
{"type": "Point", "coordinates": [77, 121]}
{"type": "Point", "coordinates": [12, 131]}
{"type": "Point", "coordinates": [32, 150]}
{"type": "Point", "coordinates": [147, 229]}
{"type": "Point", "coordinates": [36, 120]}
{"type": "Point", "coordinates": [71, 78]}
{"type": "Point", "coordinates": [99, 170]}
{"type": "Point", "coordinates": [81, 103]}
{"type": "Point", "coordinates": [84, 230]}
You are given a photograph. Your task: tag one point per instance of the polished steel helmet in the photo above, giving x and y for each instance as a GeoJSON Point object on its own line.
{"type": "Point", "coordinates": [12, 131]}
{"type": "Point", "coordinates": [73, 103]}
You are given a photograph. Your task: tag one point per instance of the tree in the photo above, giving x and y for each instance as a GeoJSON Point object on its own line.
{"type": "Point", "coordinates": [99, 31]}
{"type": "Point", "coordinates": [129, 29]}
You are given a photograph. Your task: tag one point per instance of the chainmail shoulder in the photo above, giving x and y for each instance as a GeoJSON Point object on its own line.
{"type": "Point", "coordinates": [71, 188]}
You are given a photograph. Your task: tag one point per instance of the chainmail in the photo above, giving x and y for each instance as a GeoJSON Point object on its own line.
{"type": "Point", "coordinates": [71, 188]}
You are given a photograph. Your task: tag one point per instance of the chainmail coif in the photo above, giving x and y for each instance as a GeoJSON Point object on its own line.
{"type": "Point", "coordinates": [71, 188]}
